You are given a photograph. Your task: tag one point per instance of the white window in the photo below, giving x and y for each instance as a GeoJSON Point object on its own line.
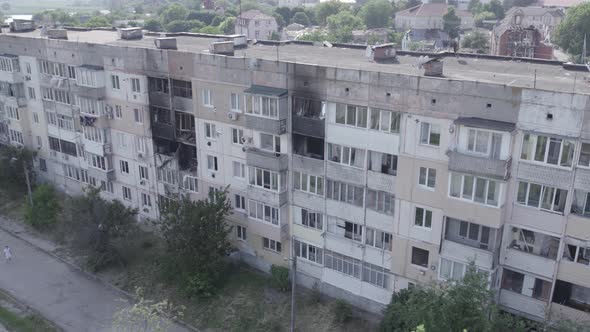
{"type": "Point", "coordinates": [39, 141]}
{"type": "Point", "coordinates": [35, 117]}
{"type": "Point", "coordinates": [383, 120]}
{"type": "Point", "coordinates": [12, 112]}
{"type": "Point", "coordinates": [137, 115]}
{"type": "Point", "coordinates": [351, 115]}
{"type": "Point", "coordinates": [376, 275]}
{"type": "Point", "coordinates": [118, 112]}
{"type": "Point", "coordinates": [549, 150]}
{"type": "Point", "coordinates": [309, 183]}
{"type": "Point", "coordinates": [140, 145]}
{"type": "Point", "coordinates": [84, 176]}
{"type": "Point", "coordinates": [115, 82]}
{"type": "Point", "coordinates": [484, 143]}
{"type": "Point", "coordinates": [270, 142]}
{"type": "Point", "coordinates": [378, 239]}
{"type": "Point", "coordinates": [479, 190]}
{"type": "Point", "coordinates": [429, 134]}
{"type": "Point", "coordinates": [71, 172]}
{"type": "Point", "coordinates": [264, 178]}
{"type": "Point", "coordinates": [344, 192]}
{"type": "Point", "coordinates": [16, 136]}
{"type": "Point", "coordinates": [239, 169]}
{"type": "Point", "coordinates": [94, 134]}
{"type": "Point", "coordinates": [541, 196]}
{"type": "Point", "coordinates": [237, 135]}
{"type": "Point", "coordinates": [107, 187]}
{"type": "Point", "coordinates": [126, 193]}
{"type": "Point", "coordinates": [309, 252]}
{"type": "Point", "coordinates": [122, 139]}
{"type": "Point", "coordinates": [28, 68]}
{"type": "Point", "coordinates": [212, 163]}
{"type": "Point", "coordinates": [380, 201]}
{"type": "Point", "coordinates": [72, 72]}
{"type": "Point", "coordinates": [65, 122]}
{"type": "Point", "coordinates": [239, 202]}
{"type": "Point", "coordinates": [271, 244]}
{"type": "Point", "coordinates": [346, 155]}
{"type": "Point", "coordinates": [135, 87]}
{"type": "Point", "coordinates": [262, 212]}
{"type": "Point", "coordinates": [423, 218]}
{"type": "Point", "coordinates": [210, 131]}
{"type": "Point", "coordinates": [96, 161]}
{"type": "Point", "coordinates": [32, 94]}
{"type": "Point", "coordinates": [190, 183]}
{"type": "Point", "coordinates": [427, 177]}
{"type": "Point", "coordinates": [241, 232]}
{"type": "Point", "coordinates": [124, 167]}
{"type": "Point", "coordinates": [146, 200]}
{"type": "Point", "coordinates": [450, 270]}
{"type": "Point", "coordinates": [143, 173]}
{"type": "Point", "coordinates": [237, 102]}
{"type": "Point", "coordinates": [167, 175]}
{"type": "Point", "coordinates": [343, 264]}
{"type": "Point", "coordinates": [207, 97]}
{"type": "Point", "coordinates": [312, 219]}
{"type": "Point", "coordinates": [263, 106]}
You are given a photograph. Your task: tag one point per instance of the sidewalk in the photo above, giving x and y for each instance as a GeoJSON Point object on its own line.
{"type": "Point", "coordinates": [64, 295]}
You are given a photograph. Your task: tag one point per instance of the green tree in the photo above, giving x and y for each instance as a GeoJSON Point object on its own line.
{"type": "Point", "coordinates": [376, 13]}
{"type": "Point", "coordinates": [571, 31]}
{"type": "Point", "coordinates": [341, 25]}
{"type": "Point", "coordinates": [45, 209]}
{"type": "Point", "coordinates": [325, 9]}
{"type": "Point", "coordinates": [315, 36]}
{"type": "Point", "coordinates": [481, 16]}
{"type": "Point", "coordinates": [196, 234]}
{"type": "Point", "coordinates": [300, 18]}
{"type": "Point", "coordinates": [451, 23]}
{"type": "Point", "coordinates": [174, 12]}
{"type": "Point", "coordinates": [476, 40]}
{"type": "Point", "coordinates": [100, 228]}
{"type": "Point", "coordinates": [285, 13]}
{"type": "Point", "coordinates": [13, 162]}
{"type": "Point", "coordinates": [152, 25]}
{"type": "Point", "coordinates": [473, 6]}
{"type": "Point", "coordinates": [55, 17]}
{"type": "Point", "coordinates": [184, 26]}
{"type": "Point", "coordinates": [495, 7]}
{"type": "Point", "coordinates": [228, 25]}
{"type": "Point", "coordinates": [280, 20]}
{"type": "Point", "coordinates": [138, 9]}
{"type": "Point", "coordinates": [210, 30]}
{"type": "Point", "coordinates": [97, 21]}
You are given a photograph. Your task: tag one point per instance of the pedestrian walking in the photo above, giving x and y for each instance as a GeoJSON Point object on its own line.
{"type": "Point", "coordinates": [7, 254]}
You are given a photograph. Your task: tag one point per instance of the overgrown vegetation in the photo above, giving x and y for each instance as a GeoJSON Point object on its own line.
{"type": "Point", "coordinates": [146, 315]}
{"type": "Point", "coordinates": [280, 278]}
{"type": "Point", "coordinates": [45, 209]}
{"type": "Point", "coordinates": [573, 29]}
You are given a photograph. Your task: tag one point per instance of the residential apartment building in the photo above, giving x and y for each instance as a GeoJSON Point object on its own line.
{"type": "Point", "coordinates": [255, 24]}
{"type": "Point", "coordinates": [374, 179]}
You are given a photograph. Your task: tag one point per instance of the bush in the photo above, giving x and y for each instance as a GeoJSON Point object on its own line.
{"type": "Point", "coordinates": [342, 312]}
{"type": "Point", "coordinates": [280, 277]}
{"type": "Point", "coordinates": [45, 207]}
{"type": "Point", "coordinates": [316, 294]}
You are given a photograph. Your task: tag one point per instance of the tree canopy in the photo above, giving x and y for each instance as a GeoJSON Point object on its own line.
{"type": "Point", "coordinates": [571, 31]}
{"type": "Point", "coordinates": [476, 40]}
{"type": "Point", "coordinates": [174, 12]}
{"type": "Point", "coordinates": [300, 18]}
{"type": "Point", "coordinates": [451, 23]}
{"type": "Point", "coordinates": [326, 9]}
{"type": "Point", "coordinates": [376, 13]}
{"type": "Point", "coordinates": [341, 25]}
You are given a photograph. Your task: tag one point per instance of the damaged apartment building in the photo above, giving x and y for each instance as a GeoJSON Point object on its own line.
{"type": "Point", "coordinates": [375, 176]}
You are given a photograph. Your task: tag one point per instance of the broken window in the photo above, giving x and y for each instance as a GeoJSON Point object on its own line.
{"type": "Point", "coordinates": [541, 196]}
{"type": "Point", "coordinates": [158, 85]}
{"type": "Point", "coordinates": [380, 201]}
{"type": "Point", "coordinates": [182, 89]}
{"type": "Point", "coordinates": [550, 150]}
{"type": "Point", "coordinates": [346, 155]}
{"type": "Point", "coordinates": [383, 162]}
{"type": "Point", "coordinates": [572, 295]}
{"type": "Point", "coordinates": [161, 115]}
{"type": "Point", "coordinates": [535, 243]}
{"type": "Point", "coordinates": [512, 281]}
{"type": "Point", "coordinates": [581, 203]}
{"type": "Point", "coordinates": [308, 108]}
{"type": "Point", "coordinates": [353, 231]}
{"type": "Point", "coordinates": [471, 234]}
{"type": "Point", "coordinates": [420, 257]}
{"type": "Point", "coordinates": [308, 146]}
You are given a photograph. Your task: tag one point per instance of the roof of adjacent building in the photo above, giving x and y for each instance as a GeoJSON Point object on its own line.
{"type": "Point", "coordinates": [562, 3]}
{"type": "Point", "coordinates": [431, 9]}
{"type": "Point", "coordinates": [512, 73]}
{"type": "Point", "coordinates": [255, 14]}
{"type": "Point", "coordinates": [534, 11]}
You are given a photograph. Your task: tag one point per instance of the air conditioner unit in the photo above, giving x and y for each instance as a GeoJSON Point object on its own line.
{"type": "Point", "coordinates": [246, 140]}
{"type": "Point", "coordinates": [232, 116]}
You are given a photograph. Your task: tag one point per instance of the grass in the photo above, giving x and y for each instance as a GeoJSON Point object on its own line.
{"type": "Point", "coordinates": [16, 319]}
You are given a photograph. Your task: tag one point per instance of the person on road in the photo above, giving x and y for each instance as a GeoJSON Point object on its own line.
{"type": "Point", "coordinates": [7, 254]}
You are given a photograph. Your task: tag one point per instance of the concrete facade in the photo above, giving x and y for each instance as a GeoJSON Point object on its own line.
{"type": "Point", "coordinates": [374, 180]}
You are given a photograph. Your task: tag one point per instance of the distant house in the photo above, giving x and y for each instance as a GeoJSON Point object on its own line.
{"type": "Point", "coordinates": [298, 3]}
{"type": "Point", "coordinates": [429, 16]}
{"type": "Point", "coordinates": [561, 4]}
{"type": "Point", "coordinates": [256, 25]}
{"type": "Point", "coordinates": [425, 40]}
{"type": "Point", "coordinates": [371, 36]}
{"type": "Point", "coordinates": [545, 20]}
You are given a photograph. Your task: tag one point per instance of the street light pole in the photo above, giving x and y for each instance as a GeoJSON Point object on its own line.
{"type": "Point", "coordinates": [293, 283]}
{"type": "Point", "coordinates": [26, 169]}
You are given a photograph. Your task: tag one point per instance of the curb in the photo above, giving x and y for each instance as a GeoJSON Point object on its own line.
{"type": "Point", "coordinates": [87, 274]}
{"type": "Point", "coordinates": [30, 309]}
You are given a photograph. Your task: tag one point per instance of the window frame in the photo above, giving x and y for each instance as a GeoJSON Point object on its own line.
{"type": "Point", "coordinates": [427, 140]}
{"type": "Point", "coordinates": [418, 250]}
{"type": "Point", "coordinates": [474, 189]}
{"type": "Point", "coordinates": [425, 181]}
{"type": "Point", "coordinates": [423, 219]}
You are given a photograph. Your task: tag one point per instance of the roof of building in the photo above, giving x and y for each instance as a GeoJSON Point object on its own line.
{"type": "Point", "coordinates": [534, 11]}
{"type": "Point", "coordinates": [255, 14]}
{"type": "Point", "coordinates": [431, 9]}
{"type": "Point", "coordinates": [513, 73]}
{"type": "Point", "coordinates": [561, 3]}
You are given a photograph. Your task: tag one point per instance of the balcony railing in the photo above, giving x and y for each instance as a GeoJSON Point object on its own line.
{"type": "Point", "coordinates": [470, 164]}
{"type": "Point", "coordinates": [309, 126]}
{"type": "Point", "coordinates": [266, 159]}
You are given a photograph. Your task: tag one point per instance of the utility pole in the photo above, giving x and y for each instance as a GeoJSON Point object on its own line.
{"type": "Point", "coordinates": [293, 283]}
{"type": "Point", "coordinates": [26, 169]}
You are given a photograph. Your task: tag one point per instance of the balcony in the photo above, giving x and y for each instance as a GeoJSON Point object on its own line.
{"type": "Point", "coordinates": [530, 307]}
{"type": "Point", "coordinates": [345, 173]}
{"type": "Point", "coordinates": [487, 167]}
{"type": "Point", "coordinates": [271, 126]}
{"type": "Point", "coordinates": [308, 164]}
{"type": "Point", "coordinates": [267, 196]}
{"type": "Point", "coordinates": [563, 312]}
{"type": "Point", "coordinates": [533, 263]}
{"type": "Point", "coordinates": [269, 160]}
{"type": "Point", "coordinates": [574, 272]}
{"type": "Point", "coordinates": [381, 181]}
{"type": "Point", "coordinates": [573, 300]}
{"type": "Point", "coordinates": [101, 175]}
{"type": "Point", "coordinates": [550, 175]}
{"type": "Point", "coordinates": [160, 99]}
{"type": "Point", "coordinates": [309, 126]}
{"type": "Point", "coordinates": [186, 136]}
{"type": "Point", "coordinates": [59, 108]}
{"type": "Point", "coordinates": [182, 104]}
{"type": "Point", "coordinates": [99, 149]}
{"type": "Point", "coordinates": [463, 253]}
{"type": "Point", "coordinates": [11, 76]}
{"type": "Point", "coordinates": [94, 92]}
{"type": "Point", "coordinates": [162, 130]}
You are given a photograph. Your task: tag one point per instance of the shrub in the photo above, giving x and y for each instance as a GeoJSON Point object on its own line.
{"type": "Point", "coordinates": [342, 312]}
{"type": "Point", "coordinates": [316, 294]}
{"type": "Point", "coordinates": [45, 207]}
{"type": "Point", "coordinates": [280, 277]}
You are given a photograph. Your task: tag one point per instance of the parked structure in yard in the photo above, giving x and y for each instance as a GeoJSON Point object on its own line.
{"type": "Point", "coordinates": [256, 25]}
{"type": "Point", "coordinates": [385, 174]}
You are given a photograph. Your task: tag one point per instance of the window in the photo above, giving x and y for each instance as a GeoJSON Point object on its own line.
{"type": "Point", "coordinates": [346, 155]}
{"type": "Point", "coordinates": [122, 139]}
{"type": "Point", "coordinates": [146, 200]}
{"type": "Point", "coordinates": [42, 165]}
{"type": "Point", "coordinates": [427, 177]}
{"type": "Point", "coordinates": [475, 189]}
{"type": "Point", "coordinates": [585, 155]}
{"type": "Point", "coordinates": [65, 122]}
{"type": "Point", "coordinates": [210, 131]}
{"type": "Point", "coordinates": [207, 96]}
{"type": "Point", "coordinates": [262, 212]}
{"type": "Point", "coordinates": [512, 281]}
{"type": "Point", "coordinates": [96, 161]}
{"type": "Point", "coordinates": [90, 106]}
{"type": "Point", "coordinates": [309, 183]}
{"type": "Point", "coordinates": [376, 275]}
{"type": "Point", "coordinates": [12, 112]}
{"type": "Point", "coordinates": [182, 89]}
{"type": "Point", "coordinates": [343, 264]}
{"type": "Point", "coordinates": [239, 202]}
{"type": "Point", "coordinates": [450, 270]}
{"type": "Point", "coordinates": [126, 193]}
{"type": "Point", "coordinates": [143, 173]}
{"type": "Point", "coordinates": [237, 135]}
{"type": "Point", "coordinates": [158, 85]}
{"type": "Point", "coordinates": [270, 142]}
{"type": "Point", "coordinates": [118, 112]}
{"type": "Point", "coordinates": [190, 183]}
{"type": "Point", "coordinates": [94, 134]}
{"type": "Point", "coordinates": [484, 143]}
{"type": "Point", "coordinates": [71, 172]}
{"type": "Point", "coordinates": [36, 117]}
{"type": "Point", "coordinates": [271, 244]}
{"type": "Point", "coordinates": [239, 169]}
{"type": "Point", "coordinates": [138, 115]}
{"type": "Point", "coordinates": [581, 203]}
{"type": "Point", "coordinates": [383, 163]}
{"type": "Point", "coordinates": [541, 197]}
{"type": "Point", "coordinates": [353, 231]}
{"type": "Point", "coordinates": [378, 239]}
{"type": "Point", "coordinates": [308, 252]}
{"type": "Point", "coordinates": [380, 201]}
{"type": "Point", "coordinates": [39, 141]}
{"type": "Point", "coordinates": [212, 163]}
{"type": "Point", "coordinates": [264, 178]}
{"type": "Point", "coordinates": [387, 121]}
{"type": "Point", "coordinates": [167, 175]}
{"type": "Point", "coordinates": [578, 254]}
{"type": "Point", "coordinates": [308, 108]}
{"type": "Point", "coordinates": [263, 106]}
{"type": "Point", "coordinates": [472, 234]}
{"type": "Point", "coordinates": [236, 102]}
{"type": "Point", "coordinates": [550, 150]}
{"type": "Point", "coordinates": [140, 145]}
{"type": "Point", "coordinates": [115, 82]}
{"type": "Point", "coordinates": [28, 68]}
{"type": "Point", "coordinates": [56, 95]}
{"type": "Point", "coordinates": [351, 115]}
{"type": "Point", "coordinates": [32, 94]}
{"type": "Point", "coordinates": [107, 187]}
{"type": "Point", "coordinates": [124, 167]}
{"type": "Point", "coordinates": [312, 219]}
{"type": "Point", "coordinates": [135, 87]}
{"type": "Point", "coordinates": [420, 257]}
{"type": "Point", "coordinates": [344, 192]}
{"type": "Point", "coordinates": [72, 72]}
{"type": "Point", "coordinates": [423, 218]}
{"type": "Point", "coordinates": [429, 134]}
{"type": "Point", "coordinates": [16, 136]}
{"type": "Point", "coordinates": [241, 232]}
